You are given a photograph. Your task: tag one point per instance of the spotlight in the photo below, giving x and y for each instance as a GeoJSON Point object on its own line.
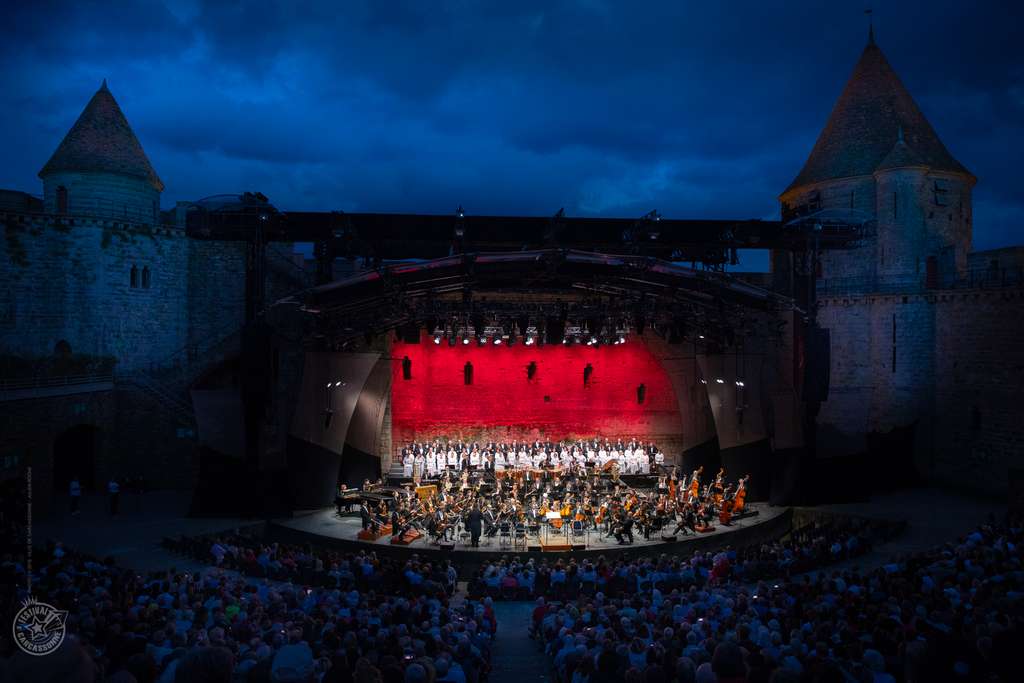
{"type": "Point", "coordinates": [565, 340]}
{"type": "Point", "coordinates": [465, 340]}
{"type": "Point", "coordinates": [740, 384]}
{"type": "Point", "coordinates": [339, 383]}
{"type": "Point", "coordinates": [700, 336]}
{"type": "Point", "coordinates": [622, 340]}
{"type": "Point", "coordinates": [720, 380]}
{"type": "Point", "coordinates": [437, 339]}
{"type": "Point", "coordinates": [528, 341]}
{"type": "Point", "coordinates": [703, 381]}
{"type": "Point", "coordinates": [481, 341]}
{"type": "Point", "coordinates": [497, 341]}
{"type": "Point", "coordinates": [329, 385]}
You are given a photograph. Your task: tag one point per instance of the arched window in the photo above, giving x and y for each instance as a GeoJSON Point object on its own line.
{"type": "Point", "coordinates": [134, 277]}
{"type": "Point", "coordinates": [145, 277]}
{"type": "Point", "coordinates": [62, 199]}
{"type": "Point", "coordinates": [62, 348]}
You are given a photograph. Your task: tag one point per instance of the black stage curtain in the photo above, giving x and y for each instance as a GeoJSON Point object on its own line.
{"type": "Point", "coordinates": [312, 474]}
{"type": "Point", "coordinates": [754, 459]}
{"type": "Point", "coordinates": [705, 455]}
{"type": "Point", "coordinates": [229, 486]}
{"type": "Point", "coordinates": [785, 475]}
{"type": "Point", "coordinates": [356, 466]}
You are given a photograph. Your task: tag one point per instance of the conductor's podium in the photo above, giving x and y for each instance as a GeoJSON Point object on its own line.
{"type": "Point", "coordinates": [372, 534]}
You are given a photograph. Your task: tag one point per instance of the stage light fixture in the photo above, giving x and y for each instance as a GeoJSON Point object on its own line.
{"type": "Point", "coordinates": [465, 340]}
{"type": "Point", "coordinates": [622, 340]}
{"type": "Point", "coordinates": [703, 381]}
{"type": "Point", "coordinates": [720, 380]}
{"type": "Point", "coordinates": [740, 384]}
{"type": "Point", "coordinates": [700, 336]}
{"type": "Point", "coordinates": [481, 341]}
{"type": "Point", "coordinates": [437, 339]}
{"type": "Point", "coordinates": [528, 341]}
{"type": "Point", "coordinates": [497, 341]}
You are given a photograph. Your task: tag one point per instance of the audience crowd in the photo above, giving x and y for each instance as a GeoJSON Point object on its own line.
{"type": "Point", "coordinates": [809, 547]}
{"type": "Point", "coordinates": [364, 620]}
{"type": "Point", "coordinates": [774, 612]}
{"type": "Point", "coordinates": [951, 614]}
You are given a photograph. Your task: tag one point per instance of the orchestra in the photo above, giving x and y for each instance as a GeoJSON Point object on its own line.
{"type": "Point", "coordinates": [486, 489]}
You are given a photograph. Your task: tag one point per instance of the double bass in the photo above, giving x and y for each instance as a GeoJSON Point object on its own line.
{"type": "Point", "coordinates": [740, 499]}
{"type": "Point", "coordinates": [695, 483]}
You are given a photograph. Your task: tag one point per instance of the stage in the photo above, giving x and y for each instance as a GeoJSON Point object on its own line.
{"type": "Point", "coordinates": [325, 527]}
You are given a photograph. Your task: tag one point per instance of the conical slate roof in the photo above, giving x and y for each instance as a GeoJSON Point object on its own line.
{"type": "Point", "coordinates": [865, 122]}
{"type": "Point", "coordinates": [102, 141]}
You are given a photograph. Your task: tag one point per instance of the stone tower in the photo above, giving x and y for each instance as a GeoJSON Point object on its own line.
{"type": "Point", "coordinates": [879, 158]}
{"type": "Point", "coordinates": [879, 155]}
{"type": "Point", "coordinates": [100, 169]}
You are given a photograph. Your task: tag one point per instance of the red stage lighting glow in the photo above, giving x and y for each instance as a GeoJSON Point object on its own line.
{"type": "Point", "coordinates": [502, 403]}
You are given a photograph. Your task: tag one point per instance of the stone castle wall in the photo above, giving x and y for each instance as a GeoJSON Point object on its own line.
{"type": "Point", "coordinates": [70, 279]}
{"type": "Point", "coordinates": [958, 363]}
{"type": "Point", "coordinates": [105, 195]}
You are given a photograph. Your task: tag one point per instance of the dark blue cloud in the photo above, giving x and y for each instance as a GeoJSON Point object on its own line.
{"type": "Point", "coordinates": [523, 107]}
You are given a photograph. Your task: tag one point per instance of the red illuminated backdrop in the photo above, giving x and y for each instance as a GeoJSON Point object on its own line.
{"type": "Point", "coordinates": [501, 404]}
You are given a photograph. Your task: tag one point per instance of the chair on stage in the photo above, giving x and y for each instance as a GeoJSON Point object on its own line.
{"type": "Point", "coordinates": [578, 531]}
{"type": "Point", "coordinates": [533, 530]}
{"type": "Point", "coordinates": [520, 537]}
{"type": "Point", "coordinates": [505, 534]}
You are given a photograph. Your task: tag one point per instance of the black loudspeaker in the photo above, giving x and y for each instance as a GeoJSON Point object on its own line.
{"type": "Point", "coordinates": [447, 546]}
{"type": "Point", "coordinates": [406, 368]}
{"type": "Point", "coordinates": [817, 364]}
{"type": "Point", "coordinates": [641, 393]}
{"type": "Point", "coordinates": [669, 539]}
{"type": "Point", "coordinates": [1016, 480]}
{"type": "Point", "coordinates": [467, 373]}
{"type": "Point", "coordinates": [579, 546]}
{"type": "Point", "coordinates": [554, 330]}
{"type": "Point", "coordinates": [533, 548]}
{"type": "Point", "coordinates": [531, 370]}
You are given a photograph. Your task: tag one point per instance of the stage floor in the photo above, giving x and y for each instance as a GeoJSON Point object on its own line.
{"type": "Point", "coordinates": [326, 523]}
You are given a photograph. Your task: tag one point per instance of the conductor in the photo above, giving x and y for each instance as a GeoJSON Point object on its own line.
{"type": "Point", "coordinates": [475, 521]}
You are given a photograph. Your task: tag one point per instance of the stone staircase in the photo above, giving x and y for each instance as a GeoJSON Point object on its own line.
{"type": "Point", "coordinates": [178, 408]}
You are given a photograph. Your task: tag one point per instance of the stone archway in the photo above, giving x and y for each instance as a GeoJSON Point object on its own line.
{"type": "Point", "coordinates": [74, 453]}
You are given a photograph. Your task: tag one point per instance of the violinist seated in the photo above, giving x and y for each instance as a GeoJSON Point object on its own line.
{"type": "Point", "coordinates": [687, 522]}
{"type": "Point", "coordinates": [624, 530]}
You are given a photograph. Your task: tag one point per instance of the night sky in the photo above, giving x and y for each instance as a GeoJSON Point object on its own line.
{"type": "Point", "coordinates": [604, 108]}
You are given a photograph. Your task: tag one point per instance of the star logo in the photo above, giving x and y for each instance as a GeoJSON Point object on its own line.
{"type": "Point", "coordinates": [39, 628]}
